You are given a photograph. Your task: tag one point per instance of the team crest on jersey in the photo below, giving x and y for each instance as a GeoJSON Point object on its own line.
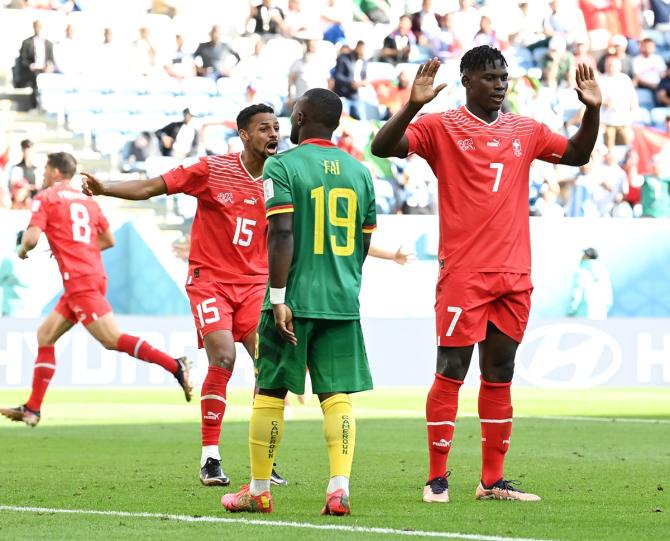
{"type": "Point", "coordinates": [225, 198]}
{"type": "Point", "coordinates": [466, 144]}
{"type": "Point", "coordinates": [516, 147]}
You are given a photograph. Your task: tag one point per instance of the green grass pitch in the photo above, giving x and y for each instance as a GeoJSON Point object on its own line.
{"type": "Point", "coordinates": [600, 459]}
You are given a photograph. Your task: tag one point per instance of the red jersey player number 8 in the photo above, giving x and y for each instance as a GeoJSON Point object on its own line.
{"type": "Point", "coordinates": [81, 223]}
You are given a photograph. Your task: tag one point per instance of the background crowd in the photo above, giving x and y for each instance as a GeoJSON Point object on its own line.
{"type": "Point", "coordinates": [154, 82]}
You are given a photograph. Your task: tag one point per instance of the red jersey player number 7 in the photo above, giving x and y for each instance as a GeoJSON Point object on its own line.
{"type": "Point", "coordinates": [481, 157]}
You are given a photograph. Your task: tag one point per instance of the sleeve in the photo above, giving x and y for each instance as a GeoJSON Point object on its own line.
{"type": "Point", "coordinates": [421, 135]}
{"type": "Point", "coordinates": [39, 217]}
{"type": "Point", "coordinates": [549, 146]}
{"type": "Point", "coordinates": [370, 218]}
{"type": "Point", "coordinates": [277, 188]}
{"type": "Point", "coordinates": [103, 224]}
{"type": "Point", "coordinates": [191, 180]}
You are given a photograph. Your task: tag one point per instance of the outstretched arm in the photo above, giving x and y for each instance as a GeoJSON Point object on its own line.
{"type": "Point", "coordinates": [581, 144]}
{"type": "Point", "coordinates": [280, 256]}
{"type": "Point", "coordinates": [135, 190]}
{"type": "Point", "coordinates": [390, 139]}
{"type": "Point", "coordinates": [400, 256]}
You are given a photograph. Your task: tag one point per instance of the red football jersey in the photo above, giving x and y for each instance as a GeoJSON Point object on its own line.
{"type": "Point", "coordinates": [482, 171]}
{"type": "Point", "coordinates": [72, 222]}
{"type": "Point", "coordinates": [228, 239]}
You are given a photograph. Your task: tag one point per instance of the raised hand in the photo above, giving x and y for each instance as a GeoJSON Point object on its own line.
{"type": "Point", "coordinates": [91, 185]}
{"type": "Point", "coordinates": [587, 87]}
{"type": "Point", "coordinates": [422, 87]}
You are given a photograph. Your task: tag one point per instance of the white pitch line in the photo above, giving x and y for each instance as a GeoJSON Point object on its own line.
{"type": "Point", "coordinates": [277, 523]}
{"type": "Point", "coordinates": [417, 413]}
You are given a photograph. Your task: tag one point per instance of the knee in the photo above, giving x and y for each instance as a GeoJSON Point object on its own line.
{"type": "Point", "coordinates": [222, 357]}
{"type": "Point", "coordinates": [110, 343]}
{"type": "Point", "coordinates": [500, 372]}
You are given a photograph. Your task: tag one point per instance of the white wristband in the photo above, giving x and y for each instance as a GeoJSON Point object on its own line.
{"type": "Point", "coordinates": [277, 295]}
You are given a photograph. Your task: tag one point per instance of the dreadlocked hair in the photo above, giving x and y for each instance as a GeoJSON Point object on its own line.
{"type": "Point", "coordinates": [478, 58]}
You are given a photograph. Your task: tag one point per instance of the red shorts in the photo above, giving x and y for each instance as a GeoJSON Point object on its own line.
{"type": "Point", "coordinates": [466, 302]}
{"type": "Point", "coordinates": [225, 307]}
{"type": "Point", "coordinates": [84, 299]}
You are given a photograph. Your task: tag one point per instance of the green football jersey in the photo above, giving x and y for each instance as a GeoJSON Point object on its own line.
{"type": "Point", "coordinates": [332, 200]}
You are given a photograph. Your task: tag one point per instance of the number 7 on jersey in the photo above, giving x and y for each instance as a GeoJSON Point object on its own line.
{"type": "Point", "coordinates": [499, 169]}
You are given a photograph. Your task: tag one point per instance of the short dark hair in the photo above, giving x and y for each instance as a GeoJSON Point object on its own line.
{"type": "Point", "coordinates": [478, 58]}
{"type": "Point", "coordinates": [26, 143]}
{"type": "Point", "coordinates": [324, 106]}
{"type": "Point", "coordinates": [246, 114]}
{"type": "Point", "coordinates": [64, 162]}
{"type": "Point", "coordinates": [591, 253]}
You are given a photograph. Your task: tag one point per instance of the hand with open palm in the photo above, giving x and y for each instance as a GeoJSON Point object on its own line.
{"type": "Point", "coordinates": [422, 87]}
{"type": "Point", "coordinates": [587, 87]}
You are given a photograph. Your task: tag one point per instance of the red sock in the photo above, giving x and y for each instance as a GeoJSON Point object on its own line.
{"type": "Point", "coordinates": [45, 366]}
{"type": "Point", "coordinates": [138, 348]}
{"type": "Point", "coordinates": [441, 408]}
{"type": "Point", "coordinates": [213, 403]}
{"type": "Point", "coordinates": [495, 415]}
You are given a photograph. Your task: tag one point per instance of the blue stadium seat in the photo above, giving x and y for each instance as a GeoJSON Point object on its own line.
{"type": "Point", "coordinates": [202, 86]}
{"type": "Point", "coordinates": [381, 71]}
{"type": "Point", "coordinates": [643, 116]}
{"type": "Point", "coordinates": [646, 98]}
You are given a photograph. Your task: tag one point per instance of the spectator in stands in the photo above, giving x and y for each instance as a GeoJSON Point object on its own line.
{"type": "Point", "coordinates": [308, 72]}
{"type": "Point", "coordinates": [111, 57]}
{"type": "Point", "coordinates": [591, 296]}
{"type": "Point", "coordinates": [334, 14]}
{"type": "Point", "coordinates": [143, 53]}
{"type": "Point", "coordinates": [613, 185]}
{"type": "Point", "coordinates": [25, 169]}
{"type": "Point", "coordinates": [346, 143]}
{"type": "Point", "coordinates": [20, 193]}
{"type": "Point", "coordinates": [526, 26]}
{"type": "Point", "coordinates": [656, 188]}
{"type": "Point", "coordinates": [181, 63]}
{"type": "Point", "coordinates": [466, 23]}
{"type": "Point", "coordinates": [547, 204]}
{"type": "Point", "coordinates": [265, 18]}
{"type": "Point", "coordinates": [581, 53]}
{"type": "Point", "coordinates": [426, 24]}
{"type": "Point", "coordinates": [557, 64]}
{"type": "Point", "coordinates": [36, 56]}
{"type": "Point", "coordinates": [350, 75]}
{"type": "Point", "coordinates": [135, 153]}
{"type": "Point", "coordinates": [297, 24]}
{"type": "Point", "coordinates": [648, 66]}
{"type": "Point", "coordinates": [214, 58]}
{"type": "Point", "coordinates": [618, 47]}
{"type": "Point", "coordinates": [619, 105]}
{"type": "Point", "coordinates": [399, 43]}
{"type": "Point", "coordinates": [564, 20]}
{"type": "Point", "coordinates": [179, 139]}
{"type": "Point", "coordinates": [68, 54]}
{"type": "Point", "coordinates": [445, 45]}
{"type": "Point", "coordinates": [375, 11]}
{"type": "Point", "coordinates": [393, 95]}
{"type": "Point", "coordinates": [420, 187]}
{"type": "Point", "coordinates": [663, 88]}
{"type": "Point", "coordinates": [486, 35]}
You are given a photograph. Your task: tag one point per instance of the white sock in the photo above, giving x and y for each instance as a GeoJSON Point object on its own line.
{"type": "Point", "coordinates": [209, 451]}
{"type": "Point", "coordinates": [337, 482]}
{"type": "Point", "coordinates": [258, 486]}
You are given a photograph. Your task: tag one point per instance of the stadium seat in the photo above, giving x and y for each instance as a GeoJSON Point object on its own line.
{"type": "Point", "coordinates": [202, 86]}
{"type": "Point", "coordinates": [282, 53]}
{"type": "Point", "coordinates": [643, 116]}
{"type": "Point", "coordinates": [646, 98]}
{"type": "Point", "coordinates": [231, 87]}
{"type": "Point", "coordinates": [381, 71]}
{"type": "Point", "coordinates": [658, 115]}
{"type": "Point", "coordinates": [538, 54]}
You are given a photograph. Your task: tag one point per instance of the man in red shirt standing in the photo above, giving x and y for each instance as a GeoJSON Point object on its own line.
{"type": "Point", "coordinates": [77, 232]}
{"type": "Point", "coordinates": [228, 268]}
{"type": "Point", "coordinates": [481, 158]}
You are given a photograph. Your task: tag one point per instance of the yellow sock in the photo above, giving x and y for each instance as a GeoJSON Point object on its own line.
{"type": "Point", "coordinates": [266, 428]}
{"type": "Point", "coordinates": [339, 429]}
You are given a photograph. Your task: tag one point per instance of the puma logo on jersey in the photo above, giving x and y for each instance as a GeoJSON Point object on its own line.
{"type": "Point", "coordinates": [250, 201]}
{"type": "Point", "coordinates": [225, 198]}
{"type": "Point", "coordinates": [495, 143]}
{"type": "Point", "coordinates": [466, 144]}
